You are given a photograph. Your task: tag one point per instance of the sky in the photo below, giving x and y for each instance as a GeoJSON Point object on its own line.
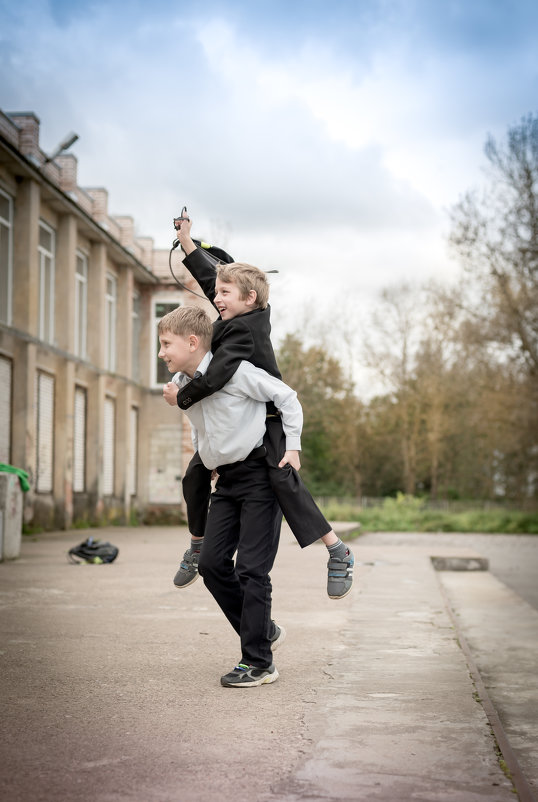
{"type": "Point", "coordinates": [327, 141]}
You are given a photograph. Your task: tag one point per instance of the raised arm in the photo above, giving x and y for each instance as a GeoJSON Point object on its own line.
{"type": "Point", "coordinates": [199, 264]}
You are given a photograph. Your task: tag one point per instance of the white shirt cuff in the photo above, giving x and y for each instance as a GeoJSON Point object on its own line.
{"type": "Point", "coordinates": [293, 443]}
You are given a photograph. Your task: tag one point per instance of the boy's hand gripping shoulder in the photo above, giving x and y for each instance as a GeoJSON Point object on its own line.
{"type": "Point", "coordinates": [237, 346]}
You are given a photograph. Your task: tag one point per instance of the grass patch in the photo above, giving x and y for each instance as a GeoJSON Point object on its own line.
{"type": "Point", "coordinates": [411, 514]}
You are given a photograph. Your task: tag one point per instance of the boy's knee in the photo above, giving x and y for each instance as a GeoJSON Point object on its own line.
{"type": "Point", "coordinates": [198, 476]}
{"type": "Point", "coordinates": [209, 565]}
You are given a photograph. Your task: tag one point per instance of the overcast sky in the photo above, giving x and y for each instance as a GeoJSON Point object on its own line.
{"type": "Point", "coordinates": [324, 139]}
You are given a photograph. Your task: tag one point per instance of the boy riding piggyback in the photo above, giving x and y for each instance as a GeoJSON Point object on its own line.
{"type": "Point", "coordinates": [242, 331]}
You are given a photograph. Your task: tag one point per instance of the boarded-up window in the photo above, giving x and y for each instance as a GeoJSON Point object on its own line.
{"type": "Point", "coordinates": [108, 447]}
{"type": "Point", "coordinates": [133, 437]}
{"type": "Point", "coordinates": [79, 441]}
{"type": "Point", "coordinates": [5, 409]}
{"type": "Point", "coordinates": [44, 432]}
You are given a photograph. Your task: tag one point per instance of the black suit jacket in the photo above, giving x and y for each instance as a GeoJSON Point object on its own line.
{"type": "Point", "coordinates": [246, 337]}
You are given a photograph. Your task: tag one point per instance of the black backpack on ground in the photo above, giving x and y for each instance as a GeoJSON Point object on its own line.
{"type": "Point", "coordinates": [93, 551]}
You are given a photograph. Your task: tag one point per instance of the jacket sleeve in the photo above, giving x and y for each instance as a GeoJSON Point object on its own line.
{"type": "Point", "coordinates": [203, 268]}
{"type": "Point", "coordinates": [237, 346]}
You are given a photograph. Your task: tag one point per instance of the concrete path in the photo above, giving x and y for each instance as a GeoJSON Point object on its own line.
{"type": "Point", "coordinates": [110, 680]}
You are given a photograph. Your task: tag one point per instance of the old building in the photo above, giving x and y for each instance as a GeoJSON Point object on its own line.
{"type": "Point", "coordinates": [81, 407]}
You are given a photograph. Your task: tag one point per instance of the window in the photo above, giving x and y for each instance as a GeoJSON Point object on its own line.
{"type": "Point", "coordinates": [44, 407]}
{"type": "Point", "coordinates": [81, 304]}
{"type": "Point", "coordinates": [6, 257]}
{"type": "Point", "coordinates": [109, 447]}
{"type": "Point", "coordinates": [135, 317]}
{"type": "Point", "coordinates": [5, 409]}
{"type": "Point", "coordinates": [79, 441]}
{"type": "Point", "coordinates": [110, 322]}
{"type": "Point", "coordinates": [133, 437]}
{"type": "Point", "coordinates": [46, 250]}
{"type": "Point", "coordinates": [160, 371]}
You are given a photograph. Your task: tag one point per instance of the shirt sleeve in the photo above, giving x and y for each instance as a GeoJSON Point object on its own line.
{"type": "Point", "coordinates": [260, 385]}
{"type": "Point", "coordinates": [194, 438]}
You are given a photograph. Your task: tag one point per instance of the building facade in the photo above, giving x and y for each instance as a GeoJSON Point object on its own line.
{"type": "Point", "coordinates": [81, 405]}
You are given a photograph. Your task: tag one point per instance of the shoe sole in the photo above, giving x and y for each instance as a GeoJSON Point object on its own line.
{"type": "Point", "coordinates": [186, 585]}
{"type": "Point", "coordinates": [264, 681]}
{"type": "Point", "coordinates": [343, 594]}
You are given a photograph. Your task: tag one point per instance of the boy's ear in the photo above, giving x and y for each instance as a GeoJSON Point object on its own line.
{"type": "Point", "coordinates": [193, 342]}
{"type": "Point", "coordinates": [252, 297]}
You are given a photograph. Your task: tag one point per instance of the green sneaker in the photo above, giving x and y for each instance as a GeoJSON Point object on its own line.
{"type": "Point", "coordinates": [188, 570]}
{"type": "Point", "coordinates": [244, 676]}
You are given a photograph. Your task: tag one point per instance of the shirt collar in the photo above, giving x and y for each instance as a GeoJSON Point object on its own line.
{"type": "Point", "coordinates": [202, 367]}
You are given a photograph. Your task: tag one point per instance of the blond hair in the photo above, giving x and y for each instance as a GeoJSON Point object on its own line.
{"type": "Point", "coordinates": [247, 278]}
{"type": "Point", "coordinates": [185, 320]}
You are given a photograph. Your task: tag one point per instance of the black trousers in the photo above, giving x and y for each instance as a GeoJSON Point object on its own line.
{"type": "Point", "coordinates": [299, 508]}
{"type": "Point", "coordinates": [244, 517]}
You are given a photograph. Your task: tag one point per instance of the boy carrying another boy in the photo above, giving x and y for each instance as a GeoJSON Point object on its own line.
{"type": "Point", "coordinates": [240, 293]}
{"type": "Point", "coordinates": [244, 516]}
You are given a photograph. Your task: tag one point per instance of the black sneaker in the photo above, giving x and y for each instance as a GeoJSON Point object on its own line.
{"type": "Point", "coordinates": [188, 570]}
{"type": "Point", "coordinates": [340, 575]}
{"type": "Point", "coordinates": [278, 636]}
{"type": "Point", "coordinates": [244, 676]}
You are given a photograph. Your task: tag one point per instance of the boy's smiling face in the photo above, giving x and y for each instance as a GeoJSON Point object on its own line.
{"type": "Point", "coordinates": [177, 351]}
{"type": "Point", "coordinates": [229, 302]}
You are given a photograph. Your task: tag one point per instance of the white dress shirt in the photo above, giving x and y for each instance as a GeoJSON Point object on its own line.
{"type": "Point", "coordinates": [229, 424]}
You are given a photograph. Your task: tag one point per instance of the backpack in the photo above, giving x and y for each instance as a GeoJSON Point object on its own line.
{"type": "Point", "coordinates": [93, 551]}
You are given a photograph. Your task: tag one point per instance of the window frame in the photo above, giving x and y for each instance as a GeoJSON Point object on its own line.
{"type": "Point", "coordinates": [136, 330]}
{"type": "Point", "coordinates": [8, 224]}
{"type": "Point", "coordinates": [43, 254]}
{"type": "Point", "coordinates": [111, 319]}
{"type": "Point", "coordinates": [81, 316]}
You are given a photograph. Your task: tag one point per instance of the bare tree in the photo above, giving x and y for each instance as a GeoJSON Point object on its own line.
{"type": "Point", "coordinates": [390, 351]}
{"type": "Point", "coordinates": [495, 234]}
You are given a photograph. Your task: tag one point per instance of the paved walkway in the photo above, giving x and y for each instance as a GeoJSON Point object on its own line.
{"type": "Point", "coordinates": [110, 680]}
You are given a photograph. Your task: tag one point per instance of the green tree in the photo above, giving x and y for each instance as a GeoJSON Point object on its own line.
{"type": "Point", "coordinates": [329, 458]}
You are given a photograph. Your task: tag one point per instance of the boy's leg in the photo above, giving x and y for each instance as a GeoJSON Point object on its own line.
{"type": "Point", "coordinates": [302, 514]}
{"type": "Point", "coordinates": [300, 510]}
{"type": "Point", "coordinates": [196, 492]}
{"type": "Point", "coordinates": [243, 514]}
{"type": "Point", "coordinates": [216, 564]}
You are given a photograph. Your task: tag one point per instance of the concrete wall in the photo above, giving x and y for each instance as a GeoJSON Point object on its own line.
{"type": "Point", "coordinates": [80, 219]}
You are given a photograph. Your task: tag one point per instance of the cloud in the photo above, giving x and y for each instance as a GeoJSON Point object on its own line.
{"type": "Point", "coordinates": [324, 141]}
